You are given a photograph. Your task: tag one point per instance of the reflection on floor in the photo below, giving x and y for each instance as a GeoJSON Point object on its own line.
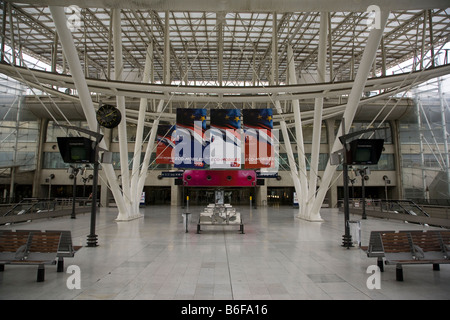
{"type": "Point", "coordinates": [278, 257]}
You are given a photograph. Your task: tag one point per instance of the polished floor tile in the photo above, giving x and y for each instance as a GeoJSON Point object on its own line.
{"type": "Point", "coordinates": [278, 258]}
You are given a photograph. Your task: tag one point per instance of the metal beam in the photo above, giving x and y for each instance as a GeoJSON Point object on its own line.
{"type": "Point", "coordinates": [302, 175]}
{"type": "Point", "coordinates": [318, 110]}
{"type": "Point", "coordinates": [122, 128]}
{"type": "Point", "coordinates": [352, 104]}
{"type": "Point", "coordinates": [135, 192]}
{"type": "Point", "coordinates": [278, 6]}
{"type": "Point", "coordinates": [83, 92]}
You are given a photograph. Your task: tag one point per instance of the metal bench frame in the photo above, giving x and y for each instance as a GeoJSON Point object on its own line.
{"type": "Point", "coordinates": [35, 247]}
{"type": "Point", "coordinates": [409, 247]}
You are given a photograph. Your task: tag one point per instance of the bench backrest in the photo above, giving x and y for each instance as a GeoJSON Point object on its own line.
{"type": "Point", "coordinates": [428, 245]}
{"type": "Point", "coordinates": [43, 247]}
{"type": "Point", "coordinates": [44, 242]}
{"type": "Point", "coordinates": [445, 236]}
{"type": "Point", "coordinates": [427, 241]}
{"type": "Point", "coordinates": [397, 246]}
{"type": "Point", "coordinates": [414, 244]}
{"type": "Point", "coordinates": [11, 241]}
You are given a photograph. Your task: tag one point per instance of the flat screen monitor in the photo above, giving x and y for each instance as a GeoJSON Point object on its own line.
{"type": "Point", "coordinates": [364, 151]}
{"type": "Point", "coordinates": [76, 149]}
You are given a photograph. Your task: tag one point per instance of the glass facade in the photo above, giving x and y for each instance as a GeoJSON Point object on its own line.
{"type": "Point", "coordinates": [422, 134]}
{"type": "Point", "coordinates": [19, 134]}
{"type": "Point", "coordinates": [54, 131]}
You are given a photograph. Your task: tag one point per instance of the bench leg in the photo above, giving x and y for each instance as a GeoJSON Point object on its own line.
{"type": "Point", "coordinates": [60, 266]}
{"type": "Point", "coordinates": [2, 267]}
{"type": "Point", "coordinates": [41, 273]}
{"type": "Point", "coordinates": [436, 267]}
{"type": "Point", "coordinates": [399, 273]}
{"type": "Point", "coordinates": [380, 264]}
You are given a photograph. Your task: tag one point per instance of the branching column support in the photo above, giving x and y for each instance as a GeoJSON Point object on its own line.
{"type": "Point", "coordinates": [302, 175]}
{"type": "Point", "coordinates": [352, 104]}
{"type": "Point", "coordinates": [283, 126]}
{"type": "Point", "coordinates": [317, 124]}
{"type": "Point", "coordinates": [73, 61]}
{"type": "Point", "coordinates": [122, 128]}
{"type": "Point", "coordinates": [220, 21]}
{"type": "Point", "coordinates": [148, 151]}
{"type": "Point", "coordinates": [135, 192]}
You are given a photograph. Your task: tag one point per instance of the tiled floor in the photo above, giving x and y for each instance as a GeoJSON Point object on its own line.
{"type": "Point", "coordinates": [279, 257]}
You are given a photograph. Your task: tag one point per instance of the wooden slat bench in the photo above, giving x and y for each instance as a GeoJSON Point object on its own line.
{"type": "Point", "coordinates": [35, 247]}
{"type": "Point", "coordinates": [375, 248]}
{"type": "Point", "coordinates": [409, 247]}
{"type": "Point", "coordinates": [66, 248]}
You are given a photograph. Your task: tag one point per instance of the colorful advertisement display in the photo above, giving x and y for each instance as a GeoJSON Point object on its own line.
{"type": "Point", "coordinates": [190, 143]}
{"type": "Point", "coordinates": [225, 139]}
{"type": "Point", "coordinates": [165, 144]}
{"type": "Point", "coordinates": [259, 150]}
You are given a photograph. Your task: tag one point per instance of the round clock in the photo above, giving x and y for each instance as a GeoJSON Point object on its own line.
{"type": "Point", "coordinates": [108, 116]}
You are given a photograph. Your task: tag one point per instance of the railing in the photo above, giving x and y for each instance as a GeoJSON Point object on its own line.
{"type": "Point", "coordinates": [403, 206]}
{"type": "Point", "coordinates": [395, 206]}
{"type": "Point", "coordinates": [34, 205]}
{"type": "Point", "coordinates": [406, 210]}
{"type": "Point", "coordinates": [33, 208]}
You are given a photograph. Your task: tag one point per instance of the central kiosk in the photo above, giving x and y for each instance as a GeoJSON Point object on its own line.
{"type": "Point", "coordinates": [220, 214]}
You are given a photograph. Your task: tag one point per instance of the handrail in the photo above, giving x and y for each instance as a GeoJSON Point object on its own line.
{"type": "Point", "coordinates": [40, 205]}
{"type": "Point", "coordinates": [401, 214]}
{"type": "Point", "coordinates": [14, 207]}
{"type": "Point", "coordinates": [410, 202]}
{"type": "Point", "coordinates": [400, 202]}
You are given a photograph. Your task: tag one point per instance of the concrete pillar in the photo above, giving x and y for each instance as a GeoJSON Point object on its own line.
{"type": "Point", "coordinates": [261, 195]}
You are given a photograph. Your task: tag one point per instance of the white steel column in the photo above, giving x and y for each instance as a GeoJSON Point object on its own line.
{"type": "Point", "coordinates": [422, 159]}
{"type": "Point", "coordinates": [166, 63]}
{"type": "Point", "coordinates": [71, 55]}
{"type": "Point", "coordinates": [287, 142]}
{"type": "Point", "coordinates": [290, 154]}
{"type": "Point", "coordinates": [220, 17]}
{"type": "Point", "coordinates": [122, 128]}
{"type": "Point", "coordinates": [148, 151]}
{"type": "Point", "coordinates": [135, 193]}
{"type": "Point", "coordinates": [299, 134]}
{"type": "Point", "coordinates": [318, 110]}
{"type": "Point", "coordinates": [275, 79]}
{"type": "Point", "coordinates": [369, 54]}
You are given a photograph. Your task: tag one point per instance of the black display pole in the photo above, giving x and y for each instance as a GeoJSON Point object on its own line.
{"type": "Point", "coordinates": [363, 190]}
{"type": "Point", "coordinates": [347, 237]}
{"type": "Point", "coordinates": [74, 196]}
{"type": "Point", "coordinates": [92, 237]}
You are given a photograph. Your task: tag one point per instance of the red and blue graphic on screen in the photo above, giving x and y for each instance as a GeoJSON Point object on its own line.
{"type": "Point", "coordinates": [165, 145]}
{"type": "Point", "coordinates": [190, 143]}
{"type": "Point", "coordinates": [225, 147]}
{"type": "Point", "coordinates": [259, 151]}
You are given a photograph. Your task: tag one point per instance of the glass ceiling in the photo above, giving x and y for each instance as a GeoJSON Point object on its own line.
{"type": "Point", "coordinates": [246, 46]}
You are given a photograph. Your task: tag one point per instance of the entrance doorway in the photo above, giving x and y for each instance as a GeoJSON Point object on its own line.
{"type": "Point", "coordinates": [157, 195]}
{"type": "Point", "coordinates": [205, 195]}
{"type": "Point", "coordinates": [280, 196]}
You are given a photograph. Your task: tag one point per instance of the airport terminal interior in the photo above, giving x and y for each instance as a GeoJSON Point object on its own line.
{"type": "Point", "coordinates": [231, 150]}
